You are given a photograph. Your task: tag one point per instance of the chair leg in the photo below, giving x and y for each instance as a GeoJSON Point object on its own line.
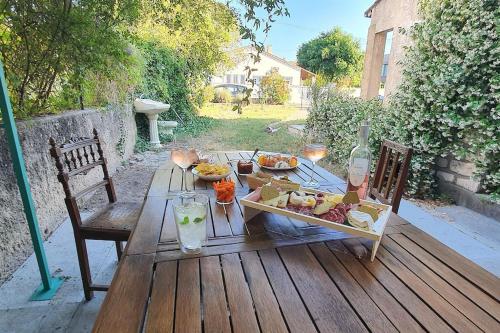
{"type": "Point", "coordinates": [83, 260]}
{"type": "Point", "coordinates": [119, 249]}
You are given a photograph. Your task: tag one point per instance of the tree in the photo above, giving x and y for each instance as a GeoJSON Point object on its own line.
{"type": "Point", "coordinates": [58, 53]}
{"type": "Point", "coordinates": [335, 55]}
{"type": "Point", "coordinates": [46, 45]}
{"type": "Point", "coordinates": [274, 88]}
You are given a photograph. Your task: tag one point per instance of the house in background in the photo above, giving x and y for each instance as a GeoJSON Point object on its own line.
{"type": "Point", "coordinates": [235, 79]}
{"type": "Point", "coordinates": [383, 53]}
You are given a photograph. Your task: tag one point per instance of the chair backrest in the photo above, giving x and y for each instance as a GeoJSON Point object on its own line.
{"type": "Point", "coordinates": [77, 157]}
{"type": "Point", "coordinates": [392, 169]}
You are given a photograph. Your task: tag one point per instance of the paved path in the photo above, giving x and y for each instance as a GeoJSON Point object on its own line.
{"type": "Point", "coordinates": [469, 233]}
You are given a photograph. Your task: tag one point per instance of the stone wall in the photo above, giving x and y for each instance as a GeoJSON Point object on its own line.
{"type": "Point", "coordinates": [116, 129]}
{"type": "Point", "coordinates": [456, 180]}
{"type": "Point", "coordinates": [457, 172]}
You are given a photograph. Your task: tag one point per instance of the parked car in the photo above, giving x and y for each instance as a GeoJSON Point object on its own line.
{"type": "Point", "coordinates": [234, 89]}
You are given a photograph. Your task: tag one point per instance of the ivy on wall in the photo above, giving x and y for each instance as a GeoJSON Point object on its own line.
{"type": "Point", "coordinates": [448, 101]}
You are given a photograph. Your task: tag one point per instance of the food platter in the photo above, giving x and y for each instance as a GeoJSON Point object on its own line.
{"type": "Point", "coordinates": [270, 161]}
{"type": "Point", "coordinates": [252, 207]}
{"type": "Point", "coordinates": [212, 171]}
{"type": "Point", "coordinates": [211, 178]}
{"type": "Point", "coordinates": [278, 169]}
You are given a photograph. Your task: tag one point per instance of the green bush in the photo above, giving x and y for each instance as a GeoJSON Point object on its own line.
{"type": "Point", "coordinates": [335, 118]}
{"type": "Point", "coordinates": [449, 98]}
{"type": "Point", "coordinates": [166, 80]}
{"type": "Point", "coordinates": [49, 48]}
{"type": "Point", "coordinates": [274, 89]}
{"type": "Point", "coordinates": [222, 96]}
{"type": "Point", "coordinates": [208, 94]}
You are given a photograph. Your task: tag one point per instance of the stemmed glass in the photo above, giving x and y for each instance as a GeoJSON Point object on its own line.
{"type": "Point", "coordinates": [183, 157]}
{"type": "Point", "coordinates": [313, 152]}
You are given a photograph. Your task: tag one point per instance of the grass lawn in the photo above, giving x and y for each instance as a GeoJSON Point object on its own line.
{"type": "Point", "coordinates": [246, 131]}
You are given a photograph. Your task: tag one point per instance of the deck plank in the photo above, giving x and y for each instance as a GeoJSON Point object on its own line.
{"type": "Point", "coordinates": [215, 314]}
{"type": "Point", "coordinates": [187, 305]}
{"type": "Point", "coordinates": [162, 305]}
{"type": "Point", "coordinates": [415, 282]}
{"type": "Point", "coordinates": [146, 234]}
{"type": "Point", "coordinates": [472, 272]}
{"type": "Point", "coordinates": [394, 311]}
{"type": "Point", "coordinates": [373, 317]}
{"type": "Point", "coordinates": [486, 302]}
{"type": "Point", "coordinates": [266, 305]}
{"type": "Point", "coordinates": [329, 309]}
{"type": "Point", "coordinates": [294, 310]}
{"type": "Point", "coordinates": [403, 294]}
{"type": "Point", "coordinates": [125, 311]}
{"type": "Point", "coordinates": [221, 224]}
{"type": "Point", "coordinates": [243, 317]}
{"type": "Point", "coordinates": [440, 286]}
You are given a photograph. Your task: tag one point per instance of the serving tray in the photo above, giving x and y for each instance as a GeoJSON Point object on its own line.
{"type": "Point", "coordinates": [251, 208]}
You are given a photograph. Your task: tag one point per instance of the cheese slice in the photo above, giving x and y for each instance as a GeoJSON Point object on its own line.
{"type": "Point", "coordinates": [283, 200]}
{"type": "Point", "coordinates": [360, 220]}
{"type": "Point", "coordinates": [271, 202]}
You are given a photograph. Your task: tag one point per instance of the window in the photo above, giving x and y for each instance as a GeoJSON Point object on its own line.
{"type": "Point", "coordinates": [228, 78]}
{"type": "Point", "coordinates": [235, 78]}
{"type": "Point", "coordinates": [242, 79]}
{"type": "Point", "coordinates": [275, 69]}
{"type": "Point", "coordinates": [289, 79]}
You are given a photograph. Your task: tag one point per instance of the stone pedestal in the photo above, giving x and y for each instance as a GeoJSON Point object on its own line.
{"type": "Point", "coordinates": [154, 137]}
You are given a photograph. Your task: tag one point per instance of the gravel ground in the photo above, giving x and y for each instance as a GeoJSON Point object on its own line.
{"type": "Point", "coordinates": [132, 179]}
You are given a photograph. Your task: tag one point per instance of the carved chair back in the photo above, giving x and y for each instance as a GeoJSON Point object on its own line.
{"type": "Point", "coordinates": [77, 157]}
{"type": "Point", "coordinates": [391, 173]}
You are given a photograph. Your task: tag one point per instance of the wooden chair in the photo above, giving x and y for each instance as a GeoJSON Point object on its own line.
{"type": "Point", "coordinates": [392, 169]}
{"type": "Point", "coordinates": [114, 222]}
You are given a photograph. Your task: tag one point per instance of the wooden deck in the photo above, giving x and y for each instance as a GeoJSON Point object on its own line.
{"type": "Point", "coordinates": [279, 275]}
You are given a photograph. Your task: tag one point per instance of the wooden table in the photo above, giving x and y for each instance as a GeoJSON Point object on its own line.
{"type": "Point", "coordinates": [279, 275]}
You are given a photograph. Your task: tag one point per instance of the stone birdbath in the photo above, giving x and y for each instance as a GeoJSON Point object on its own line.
{"type": "Point", "coordinates": [151, 109]}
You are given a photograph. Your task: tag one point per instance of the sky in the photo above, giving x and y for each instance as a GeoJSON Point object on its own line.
{"type": "Point", "coordinates": [309, 18]}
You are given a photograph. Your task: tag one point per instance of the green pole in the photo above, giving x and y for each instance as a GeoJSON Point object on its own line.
{"type": "Point", "coordinates": [49, 284]}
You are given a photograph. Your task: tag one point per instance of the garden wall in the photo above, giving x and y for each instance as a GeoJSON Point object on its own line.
{"type": "Point", "coordinates": [117, 130]}
{"type": "Point", "coordinates": [456, 180]}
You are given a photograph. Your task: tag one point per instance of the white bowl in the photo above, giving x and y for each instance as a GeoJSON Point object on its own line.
{"type": "Point", "coordinates": [211, 178]}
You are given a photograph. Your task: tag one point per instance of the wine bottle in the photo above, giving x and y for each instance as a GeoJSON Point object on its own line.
{"type": "Point", "coordinates": [359, 164]}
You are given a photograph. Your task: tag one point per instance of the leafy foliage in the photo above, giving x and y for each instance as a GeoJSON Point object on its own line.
{"type": "Point", "coordinates": [335, 117]}
{"type": "Point", "coordinates": [335, 55]}
{"type": "Point", "coordinates": [208, 94]}
{"type": "Point", "coordinates": [222, 96]}
{"type": "Point", "coordinates": [274, 88]}
{"type": "Point", "coordinates": [250, 23]}
{"type": "Point", "coordinates": [166, 79]}
{"type": "Point", "coordinates": [47, 46]}
{"type": "Point", "coordinates": [448, 101]}
{"type": "Point", "coordinates": [66, 54]}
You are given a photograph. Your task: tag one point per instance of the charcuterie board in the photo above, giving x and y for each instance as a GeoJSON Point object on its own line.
{"type": "Point", "coordinates": [252, 207]}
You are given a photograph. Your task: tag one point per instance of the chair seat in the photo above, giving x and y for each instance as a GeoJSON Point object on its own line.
{"type": "Point", "coordinates": [113, 222]}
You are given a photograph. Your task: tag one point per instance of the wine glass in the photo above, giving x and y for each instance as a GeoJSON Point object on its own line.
{"type": "Point", "coordinates": [313, 152]}
{"type": "Point", "coordinates": [183, 157]}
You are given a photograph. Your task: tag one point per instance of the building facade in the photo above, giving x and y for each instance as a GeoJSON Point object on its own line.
{"type": "Point", "coordinates": [236, 78]}
{"type": "Point", "coordinates": [386, 16]}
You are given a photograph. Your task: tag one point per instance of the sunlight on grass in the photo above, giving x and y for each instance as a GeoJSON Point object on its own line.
{"type": "Point", "coordinates": [247, 131]}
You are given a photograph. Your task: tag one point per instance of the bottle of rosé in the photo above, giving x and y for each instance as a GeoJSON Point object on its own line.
{"type": "Point", "coordinates": [359, 164]}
